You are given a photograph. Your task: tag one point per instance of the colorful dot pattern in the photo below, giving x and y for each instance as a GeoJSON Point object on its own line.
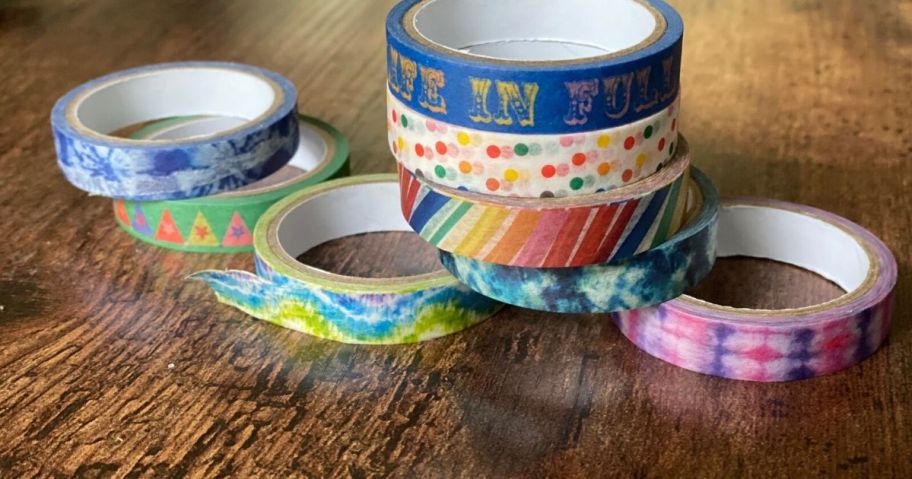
{"type": "Point", "coordinates": [530, 166]}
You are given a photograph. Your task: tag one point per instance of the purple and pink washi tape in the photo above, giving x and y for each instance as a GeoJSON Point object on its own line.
{"type": "Point", "coordinates": [781, 344]}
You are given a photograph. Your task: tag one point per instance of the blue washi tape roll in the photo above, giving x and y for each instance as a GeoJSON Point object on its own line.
{"type": "Point", "coordinates": [345, 308]}
{"type": "Point", "coordinates": [95, 161]}
{"type": "Point", "coordinates": [652, 277]}
{"type": "Point", "coordinates": [535, 66]}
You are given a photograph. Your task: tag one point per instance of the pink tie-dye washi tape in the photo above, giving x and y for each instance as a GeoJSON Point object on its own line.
{"type": "Point", "coordinates": [785, 344]}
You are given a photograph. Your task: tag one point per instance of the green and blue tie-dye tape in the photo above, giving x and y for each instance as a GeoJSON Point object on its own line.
{"type": "Point", "coordinates": [337, 307]}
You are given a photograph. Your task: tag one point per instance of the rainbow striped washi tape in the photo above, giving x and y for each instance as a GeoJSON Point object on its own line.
{"type": "Point", "coordinates": [661, 273]}
{"type": "Point", "coordinates": [786, 344]}
{"type": "Point", "coordinates": [338, 307]}
{"type": "Point", "coordinates": [529, 165]}
{"type": "Point", "coordinates": [549, 232]}
{"type": "Point", "coordinates": [544, 68]}
{"type": "Point", "coordinates": [94, 161]}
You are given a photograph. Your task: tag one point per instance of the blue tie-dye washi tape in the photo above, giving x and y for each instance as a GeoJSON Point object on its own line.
{"type": "Point", "coordinates": [99, 163]}
{"type": "Point", "coordinates": [543, 67]}
{"type": "Point", "coordinates": [654, 276]}
{"type": "Point", "coordinates": [349, 309]}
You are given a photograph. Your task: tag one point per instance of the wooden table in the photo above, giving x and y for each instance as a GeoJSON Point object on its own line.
{"type": "Point", "coordinates": [112, 365]}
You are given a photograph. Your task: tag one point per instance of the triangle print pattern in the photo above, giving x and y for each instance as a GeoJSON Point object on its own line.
{"type": "Point", "coordinates": [120, 209]}
{"type": "Point", "coordinates": [238, 234]}
{"type": "Point", "coordinates": [201, 233]}
{"type": "Point", "coordinates": [140, 224]}
{"type": "Point", "coordinates": [167, 229]}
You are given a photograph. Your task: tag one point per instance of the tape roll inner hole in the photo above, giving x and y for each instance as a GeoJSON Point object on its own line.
{"type": "Point", "coordinates": [310, 154]}
{"type": "Point", "coordinates": [535, 30]}
{"type": "Point", "coordinates": [346, 211]}
{"type": "Point", "coordinates": [178, 92]}
{"type": "Point", "coordinates": [795, 239]}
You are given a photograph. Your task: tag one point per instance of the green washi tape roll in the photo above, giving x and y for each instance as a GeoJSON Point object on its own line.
{"type": "Point", "coordinates": [339, 307]}
{"type": "Point", "coordinates": [223, 223]}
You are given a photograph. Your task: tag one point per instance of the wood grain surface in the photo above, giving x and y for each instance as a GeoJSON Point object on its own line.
{"type": "Point", "coordinates": [112, 365]}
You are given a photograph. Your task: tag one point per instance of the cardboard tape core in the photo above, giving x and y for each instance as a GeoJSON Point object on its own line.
{"type": "Point", "coordinates": [793, 238]}
{"type": "Point", "coordinates": [535, 30]}
{"type": "Point", "coordinates": [167, 93]}
{"type": "Point", "coordinates": [336, 213]}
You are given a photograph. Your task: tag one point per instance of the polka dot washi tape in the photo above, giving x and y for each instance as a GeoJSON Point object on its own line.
{"type": "Point", "coordinates": [530, 166]}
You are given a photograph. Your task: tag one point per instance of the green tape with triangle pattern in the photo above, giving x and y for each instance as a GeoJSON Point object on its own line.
{"type": "Point", "coordinates": [224, 223]}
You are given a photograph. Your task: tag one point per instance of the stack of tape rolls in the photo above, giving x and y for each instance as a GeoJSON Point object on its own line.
{"type": "Point", "coordinates": [538, 149]}
{"type": "Point", "coordinates": [538, 142]}
{"type": "Point", "coordinates": [218, 148]}
{"type": "Point", "coordinates": [221, 143]}
{"type": "Point", "coordinates": [223, 223]}
{"type": "Point", "coordinates": [533, 98]}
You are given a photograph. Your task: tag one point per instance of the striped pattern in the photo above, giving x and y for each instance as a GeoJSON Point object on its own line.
{"type": "Point", "coordinates": [542, 236]}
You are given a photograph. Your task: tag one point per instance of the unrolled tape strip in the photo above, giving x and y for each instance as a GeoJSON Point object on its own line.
{"type": "Point", "coordinates": [786, 344]}
{"type": "Point", "coordinates": [654, 276]}
{"type": "Point", "coordinates": [530, 166]}
{"type": "Point", "coordinates": [223, 223]}
{"type": "Point", "coordinates": [338, 307]}
{"type": "Point", "coordinates": [140, 169]}
{"type": "Point", "coordinates": [550, 232]}
{"type": "Point", "coordinates": [534, 66]}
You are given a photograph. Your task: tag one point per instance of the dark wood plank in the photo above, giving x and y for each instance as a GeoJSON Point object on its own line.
{"type": "Point", "coordinates": [111, 365]}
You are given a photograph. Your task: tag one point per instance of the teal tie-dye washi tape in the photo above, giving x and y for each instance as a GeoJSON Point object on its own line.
{"type": "Point", "coordinates": [338, 307]}
{"type": "Point", "coordinates": [659, 274]}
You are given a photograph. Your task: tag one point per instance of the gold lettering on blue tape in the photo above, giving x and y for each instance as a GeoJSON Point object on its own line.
{"type": "Point", "coordinates": [617, 94]}
{"type": "Point", "coordinates": [516, 103]}
{"type": "Point", "coordinates": [402, 72]}
{"type": "Point", "coordinates": [669, 80]}
{"type": "Point", "coordinates": [479, 111]}
{"type": "Point", "coordinates": [392, 69]}
{"type": "Point", "coordinates": [648, 91]}
{"type": "Point", "coordinates": [432, 80]}
{"type": "Point", "coordinates": [581, 94]}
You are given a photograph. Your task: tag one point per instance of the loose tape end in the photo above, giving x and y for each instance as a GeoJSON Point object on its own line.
{"type": "Point", "coordinates": [241, 289]}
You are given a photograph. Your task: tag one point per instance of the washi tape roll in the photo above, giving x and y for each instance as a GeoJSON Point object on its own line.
{"type": "Point", "coordinates": [223, 223]}
{"type": "Point", "coordinates": [530, 166]}
{"type": "Point", "coordinates": [94, 161]}
{"type": "Point", "coordinates": [520, 66]}
{"type": "Point", "coordinates": [549, 232]}
{"type": "Point", "coordinates": [663, 272]}
{"type": "Point", "coordinates": [338, 307]}
{"type": "Point", "coordinates": [786, 344]}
